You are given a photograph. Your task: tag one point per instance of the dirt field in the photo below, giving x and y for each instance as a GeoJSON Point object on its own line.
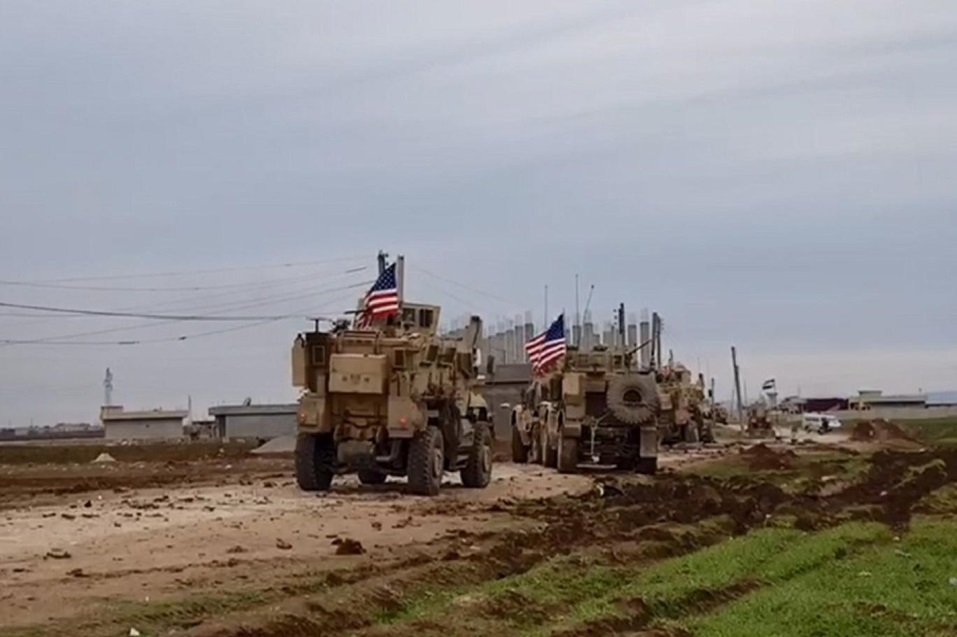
{"type": "Point", "coordinates": [213, 541]}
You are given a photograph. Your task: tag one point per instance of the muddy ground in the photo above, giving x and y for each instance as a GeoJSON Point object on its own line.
{"type": "Point", "coordinates": [223, 543]}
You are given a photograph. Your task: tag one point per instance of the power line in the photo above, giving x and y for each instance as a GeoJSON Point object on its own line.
{"type": "Point", "coordinates": [186, 337]}
{"type": "Point", "coordinates": [464, 287]}
{"type": "Point", "coordinates": [205, 271]}
{"type": "Point", "coordinates": [155, 323]}
{"type": "Point", "coordinates": [194, 288]}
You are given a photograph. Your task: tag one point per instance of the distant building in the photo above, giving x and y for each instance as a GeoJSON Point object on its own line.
{"type": "Point", "coordinates": [255, 421]}
{"type": "Point", "coordinates": [141, 425]}
{"type": "Point", "coordinates": [875, 399]}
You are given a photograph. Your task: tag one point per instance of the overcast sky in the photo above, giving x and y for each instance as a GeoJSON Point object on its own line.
{"type": "Point", "coordinates": [778, 175]}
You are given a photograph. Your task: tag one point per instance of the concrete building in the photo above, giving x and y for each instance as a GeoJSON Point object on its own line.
{"type": "Point", "coordinates": [254, 421]}
{"type": "Point", "coordinates": [156, 424]}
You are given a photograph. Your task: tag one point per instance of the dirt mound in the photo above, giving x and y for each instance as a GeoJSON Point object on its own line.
{"type": "Point", "coordinates": [879, 431]}
{"type": "Point", "coordinates": [763, 458]}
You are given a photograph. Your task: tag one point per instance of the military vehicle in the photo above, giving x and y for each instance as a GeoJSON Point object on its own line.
{"type": "Point", "coordinates": [759, 422]}
{"type": "Point", "coordinates": [685, 412]}
{"type": "Point", "coordinates": [391, 399]}
{"type": "Point", "coordinates": [528, 424]}
{"type": "Point", "coordinates": [601, 411]}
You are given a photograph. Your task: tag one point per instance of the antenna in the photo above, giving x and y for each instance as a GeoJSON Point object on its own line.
{"type": "Point", "coordinates": [108, 388]}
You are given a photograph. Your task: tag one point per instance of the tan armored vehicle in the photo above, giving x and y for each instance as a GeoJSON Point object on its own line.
{"type": "Point", "coordinates": [528, 424]}
{"type": "Point", "coordinates": [391, 399]}
{"type": "Point", "coordinates": [685, 415]}
{"type": "Point", "coordinates": [601, 410]}
{"type": "Point", "coordinates": [759, 422]}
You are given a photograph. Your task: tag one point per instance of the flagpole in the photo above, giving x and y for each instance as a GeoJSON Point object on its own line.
{"type": "Point", "coordinates": [400, 278]}
{"type": "Point", "coordinates": [545, 324]}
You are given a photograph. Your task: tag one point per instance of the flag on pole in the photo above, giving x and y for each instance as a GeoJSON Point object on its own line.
{"type": "Point", "coordinates": [381, 300]}
{"type": "Point", "coordinates": [768, 385]}
{"type": "Point", "coordinates": [547, 347]}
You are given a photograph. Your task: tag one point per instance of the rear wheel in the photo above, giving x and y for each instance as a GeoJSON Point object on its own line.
{"type": "Point", "coordinates": [371, 476]}
{"type": "Point", "coordinates": [315, 459]}
{"type": "Point", "coordinates": [477, 472]}
{"type": "Point", "coordinates": [549, 453]}
{"type": "Point", "coordinates": [519, 450]}
{"type": "Point", "coordinates": [567, 455]}
{"type": "Point", "coordinates": [426, 462]}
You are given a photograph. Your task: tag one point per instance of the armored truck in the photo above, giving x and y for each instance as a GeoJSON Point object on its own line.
{"type": "Point", "coordinates": [602, 410]}
{"type": "Point", "coordinates": [685, 415]}
{"type": "Point", "coordinates": [391, 399]}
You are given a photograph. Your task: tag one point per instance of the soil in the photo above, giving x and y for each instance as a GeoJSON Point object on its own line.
{"type": "Point", "coordinates": [157, 532]}
{"type": "Point", "coordinates": [879, 431]}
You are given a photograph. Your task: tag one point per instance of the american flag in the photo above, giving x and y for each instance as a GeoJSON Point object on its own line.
{"type": "Point", "coordinates": [547, 347]}
{"type": "Point", "coordinates": [381, 300]}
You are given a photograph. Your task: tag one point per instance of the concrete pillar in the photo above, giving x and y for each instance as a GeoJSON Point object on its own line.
{"type": "Point", "coordinates": [644, 334]}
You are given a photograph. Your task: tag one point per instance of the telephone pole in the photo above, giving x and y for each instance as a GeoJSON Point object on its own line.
{"type": "Point", "coordinates": [737, 385]}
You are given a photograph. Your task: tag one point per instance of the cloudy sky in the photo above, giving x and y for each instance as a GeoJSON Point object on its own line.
{"type": "Point", "coordinates": [778, 175]}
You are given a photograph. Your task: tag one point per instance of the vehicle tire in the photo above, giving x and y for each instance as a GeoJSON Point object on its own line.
{"type": "Point", "coordinates": [371, 476]}
{"type": "Point", "coordinates": [477, 472]}
{"type": "Point", "coordinates": [633, 398]}
{"type": "Point", "coordinates": [426, 462]}
{"type": "Point", "coordinates": [315, 459]}
{"type": "Point", "coordinates": [567, 455]}
{"type": "Point", "coordinates": [647, 466]}
{"type": "Point", "coordinates": [535, 453]}
{"type": "Point", "coordinates": [549, 454]}
{"type": "Point", "coordinates": [519, 450]}
{"type": "Point", "coordinates": [691, 432]}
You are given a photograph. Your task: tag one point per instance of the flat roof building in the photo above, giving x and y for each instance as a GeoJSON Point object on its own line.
{"type": "Point", "coordinates": [155, 424]}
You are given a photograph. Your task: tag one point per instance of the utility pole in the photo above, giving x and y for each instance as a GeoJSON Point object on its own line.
{"type": "Point", "coordinates": [545, 324]}
{"type": "Point", "coordinates": [621, 324]}
{"type": "Point", "coordinates": [737, 385]}
{"type": "Point", "coordinates": [108, 388]}
{"type": "Point", "coordinates": [578, 317]}
{"type": "Point", "coordinates": [399, 275]}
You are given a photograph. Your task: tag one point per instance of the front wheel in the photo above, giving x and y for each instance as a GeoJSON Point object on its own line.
{"type": "Point", "coordinates": [549, 453]}
{"type": "Point", "coordinates": [567, 455]}
{"type": "Point", "coordinates": [477, 472]}
{"type": "Point", "coordinates": [519, 450]}
{"type": "Point", "coordinates": [426, 462]}
{"type": "Point", "coordinates": [315, 460]}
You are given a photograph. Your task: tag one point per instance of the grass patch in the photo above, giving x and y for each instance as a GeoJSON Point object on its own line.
{"type": "Point", "coordinates": [937, 432]}
{"type": "Point", "coordinates": [898, 589]}
{"type": "Point", "coordinates": [570, 593]}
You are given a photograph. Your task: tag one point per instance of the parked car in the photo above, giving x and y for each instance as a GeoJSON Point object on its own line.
{"type": "Point", "coordinates": [820, 423]}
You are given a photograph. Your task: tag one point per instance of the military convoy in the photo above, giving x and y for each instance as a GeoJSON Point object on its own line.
{"type": "Point", "coordinates": [392, 398]}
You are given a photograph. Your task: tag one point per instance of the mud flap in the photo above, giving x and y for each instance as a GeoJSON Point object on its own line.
{"type": "Point", "coordinates": [648, 443]}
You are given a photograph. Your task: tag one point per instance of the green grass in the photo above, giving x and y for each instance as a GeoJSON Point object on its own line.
{"type": "Point", "coordinates": [938, 432]}
{"type": "Point", "coordinates": [897, 589]}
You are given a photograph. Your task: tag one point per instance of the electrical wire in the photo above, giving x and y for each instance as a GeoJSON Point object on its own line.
{"type": "Point", "coordinates": [101, 288]}
{"type": "Point", "coordinates": [269, 301]}
{"type": "Point", "coordinates": [493, 297]}
{"type": "Point", "coordinates": [205, 271]}
{"type": "Point", "coordinates": [300, 314]}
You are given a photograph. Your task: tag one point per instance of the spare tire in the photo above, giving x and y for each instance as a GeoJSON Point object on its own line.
{"type": "Point", "coordinates": [633, 398]}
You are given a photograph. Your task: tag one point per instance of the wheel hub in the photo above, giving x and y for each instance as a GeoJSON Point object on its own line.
{"type": "Point", "coordinates": [437, 463]}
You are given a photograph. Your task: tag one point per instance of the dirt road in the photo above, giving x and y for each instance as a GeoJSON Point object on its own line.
{"type": "Point", "coordinates": [154, 543]}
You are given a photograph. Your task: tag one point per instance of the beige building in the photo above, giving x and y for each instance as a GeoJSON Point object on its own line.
{"type": "Point", "coordinates": [156, 424]}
